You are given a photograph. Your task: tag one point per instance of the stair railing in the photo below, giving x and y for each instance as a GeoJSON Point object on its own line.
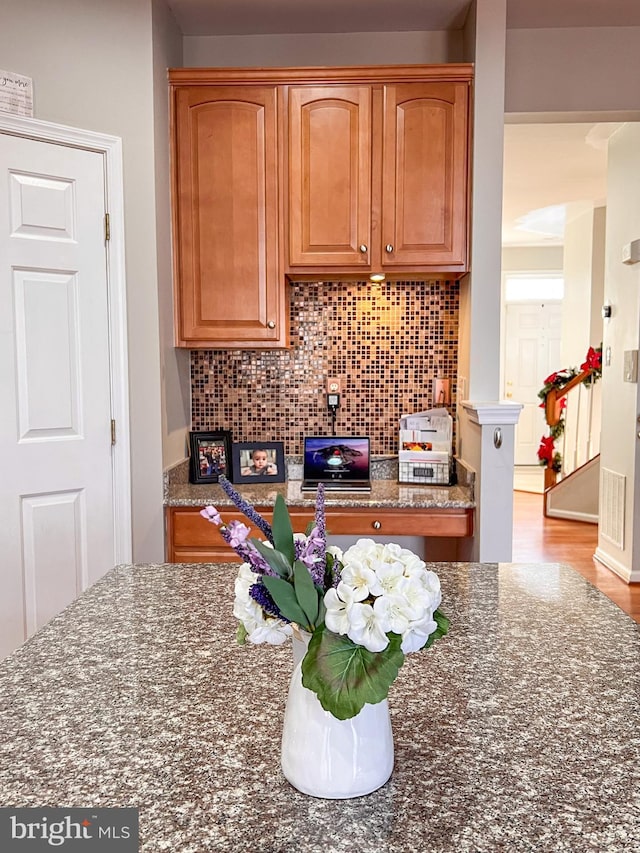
{"type": "Point", "coordinates": [556, 406]}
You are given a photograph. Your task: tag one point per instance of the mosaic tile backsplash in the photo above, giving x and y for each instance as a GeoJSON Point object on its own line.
{"type": "Point", "coordinates": [386, 343]}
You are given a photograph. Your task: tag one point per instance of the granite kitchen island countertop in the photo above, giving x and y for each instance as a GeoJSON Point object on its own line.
{"type": "Point", "coordinates": [516, 732]}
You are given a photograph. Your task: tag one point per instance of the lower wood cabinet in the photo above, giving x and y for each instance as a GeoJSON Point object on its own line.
{"type": "Point", "coordinates": [190, 539]}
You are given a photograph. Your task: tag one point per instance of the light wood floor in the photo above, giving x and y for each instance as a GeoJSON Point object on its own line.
{"type": "Point", "coordinates": [553, 540]}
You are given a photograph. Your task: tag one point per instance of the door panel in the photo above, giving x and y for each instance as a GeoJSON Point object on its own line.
{"type": "Point", "coordinates": [329, 175]}
{"type": "Point", "coordinates": [56, 495]}
{"type": "Point", "coordinates": [226, 217]}
{"type": "Point", "coordinates": [532, 337]}
{"type": "Point", "coordinates": [424, 181]}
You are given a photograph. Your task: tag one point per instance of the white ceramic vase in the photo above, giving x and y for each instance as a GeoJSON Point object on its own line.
{"type": "Point", "coordinates": [326, 757]}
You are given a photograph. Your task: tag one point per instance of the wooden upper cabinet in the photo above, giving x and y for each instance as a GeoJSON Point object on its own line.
{"type": "Point", "coordinates": [228, 283]}
{"type": "Point", "coordinates": [329, 159]}
{"type": "Point", "coordinates": [310, 172]}
{"type": "Point", "coordinates": [424, 175]}
{"type": "Point", "coordinates": [378, 176]}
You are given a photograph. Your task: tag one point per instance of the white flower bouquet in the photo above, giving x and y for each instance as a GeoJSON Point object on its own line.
{"type": "Point", "coordinates": [364, 608]}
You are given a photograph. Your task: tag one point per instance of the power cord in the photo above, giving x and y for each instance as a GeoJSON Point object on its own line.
{"type": "Point", "coordinates": [333, 404]}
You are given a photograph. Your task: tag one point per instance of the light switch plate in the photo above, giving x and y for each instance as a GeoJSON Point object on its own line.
{"type": "Point", "coordinates": [631, 365]}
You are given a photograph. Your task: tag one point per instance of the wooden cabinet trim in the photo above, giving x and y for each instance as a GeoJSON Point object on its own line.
{"type": "Point", "coordinates": [462, 72]}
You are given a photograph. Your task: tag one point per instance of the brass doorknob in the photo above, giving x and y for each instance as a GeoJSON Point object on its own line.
{"type": "Point", "coordinates": [508, 395]}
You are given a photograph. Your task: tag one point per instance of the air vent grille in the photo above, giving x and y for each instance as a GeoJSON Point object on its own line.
{"type": "Point", "coordinates": [612, 506]}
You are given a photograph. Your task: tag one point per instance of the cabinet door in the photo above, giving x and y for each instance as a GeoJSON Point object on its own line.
{"type": "Point", "coordinates": [424, 184]}
{"type": "Point", "coordinates": [228, 291]}
{"type": "Point", "coordinates": [329, 157]}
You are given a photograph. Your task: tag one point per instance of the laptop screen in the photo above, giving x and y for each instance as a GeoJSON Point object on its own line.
{"type": "Point", "coordinates": [336, 458]}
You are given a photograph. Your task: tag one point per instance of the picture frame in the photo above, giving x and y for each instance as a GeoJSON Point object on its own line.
{"type": "Point", "coordinates": [258, 462]}
{"type": "Point", "coordinates": [210, 456]}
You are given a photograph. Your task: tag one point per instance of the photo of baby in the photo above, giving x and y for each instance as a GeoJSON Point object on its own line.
{"type": "Point", "coordinates": [258, 463]}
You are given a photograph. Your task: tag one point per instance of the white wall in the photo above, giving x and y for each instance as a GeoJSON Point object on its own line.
{"type": "Point", "coordinates": [174, 363]}
{"type": "Point", "coordinates": [481, 290]}
{"type": "Point", "coordinates": [583, 284]}
{"type": "Point", "coordinates": [582, 327]}
{"type": "Point", "coordinates": [91, 66]}
{"type": "Point", "coordinates": [323, 49]}
{"type": "Point", "coordinates": [532, 258]}
{"type": "Point", "coordinates": [620, 447]}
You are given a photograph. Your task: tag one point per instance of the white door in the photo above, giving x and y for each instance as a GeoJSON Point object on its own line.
{"type": "Point", "coordinates": [56, 482]}
{"type": "Point", "coordinates": [532, 344]}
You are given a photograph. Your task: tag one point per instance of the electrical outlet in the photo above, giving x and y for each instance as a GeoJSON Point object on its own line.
{"type": "Point", "coordinates": [441, 392]}
{"type": "Point", "coordinates": [333, 385]}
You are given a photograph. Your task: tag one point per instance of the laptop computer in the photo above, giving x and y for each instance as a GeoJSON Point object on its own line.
{"type": "Point", "coordinates": [341, 462]}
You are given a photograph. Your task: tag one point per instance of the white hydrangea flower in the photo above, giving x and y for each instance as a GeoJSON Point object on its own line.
{"type": "Point", "coordinates": [368, 626]}
{"type": "Point", "coordinates": [338, 601]}
{"type": "Point", "coordinates": [390, 589]}
{"type": "Point", "coordinates": [395, 611]}
{"type": "Point", "coordinates": [260, 627]}
{"type": "Point", "coordinates": [272, 631]}
{"type": "Point", "coordinates": [361, 578]}
{"type": "Point", "coordinates": [418, 633]}
{"type": "Point", "coordinates": [335, 552]}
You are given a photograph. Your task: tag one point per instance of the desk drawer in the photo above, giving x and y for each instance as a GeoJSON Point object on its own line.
{"type": "Point", "coordinates": [192, 539]}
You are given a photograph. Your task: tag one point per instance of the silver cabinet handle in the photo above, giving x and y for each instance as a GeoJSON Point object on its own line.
{"type": "Point", "coordinates": [271, 325]}
{"type": "Point", "coordinates": [388, 248]}
{"type": "Point", "coordinates": [376, 525]}
{"type": "Point", "coordinates": [363, 248]}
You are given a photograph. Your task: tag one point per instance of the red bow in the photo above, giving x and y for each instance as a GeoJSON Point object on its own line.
{"type": "Point", "coordinates": [546, 449]}
{"type": "Point", "coordinates": [593, 360]}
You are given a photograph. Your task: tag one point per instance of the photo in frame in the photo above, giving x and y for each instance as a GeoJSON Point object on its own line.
{"type": "Point", "coordinates": [210, 455]}
{"type": "Point", "coordinates": [258, 462]}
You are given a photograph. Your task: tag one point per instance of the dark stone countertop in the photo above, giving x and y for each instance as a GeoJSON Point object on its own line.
{"type": "Point", "coordinates": [516, 732]}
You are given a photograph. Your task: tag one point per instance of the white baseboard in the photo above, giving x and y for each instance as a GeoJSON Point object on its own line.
{"type": "Point", "coordinates": [616, 567]}
{"type": "Point", "coordinates": [571, 515]}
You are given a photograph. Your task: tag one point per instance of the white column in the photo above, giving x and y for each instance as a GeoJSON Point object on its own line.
{"type": "Point", "coordinates": [486, 445]}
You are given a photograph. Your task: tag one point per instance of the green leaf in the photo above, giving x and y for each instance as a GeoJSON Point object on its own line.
{"type": "Point", "coordinates": [241, 634]}
{"type": "Point", "coordinates": [321, 606]}
{"type": "Point", "coordinates": [282, 530]}
{"type": "Point", "coordinates": [284, 596]}
{"type": "Point", "coordinates": [276, 559]}
{"type": "Point", "coordinates": [345, 676]}
{"type": "Point", "coordinates": [443, 626]}
{"type": "Point", "coordinates": [306, 592]}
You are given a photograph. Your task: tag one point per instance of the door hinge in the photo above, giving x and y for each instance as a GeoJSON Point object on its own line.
{"type": "Point", "coordinates": [107, 228]}
{"type": "Point", "coordinates": [113, 431]}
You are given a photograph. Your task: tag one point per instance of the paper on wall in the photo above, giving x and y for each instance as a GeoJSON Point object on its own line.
{"type": "Point", "coordinates": [16, 94]}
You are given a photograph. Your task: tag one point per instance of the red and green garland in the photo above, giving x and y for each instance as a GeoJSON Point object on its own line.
{"type": "Point", "coordinates": [548, 456]}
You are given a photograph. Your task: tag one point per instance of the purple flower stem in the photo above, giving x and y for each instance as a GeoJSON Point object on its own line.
{"type": "Point", "coordinates": [246, 508]}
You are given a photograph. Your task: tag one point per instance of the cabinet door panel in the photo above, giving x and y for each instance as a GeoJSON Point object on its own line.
{"type": "Point", "coordinates": [227, 216]}
{"type": "Point", "coordinates": [329, 175]}
{"type": "Point", "coordinates": [424, 204]}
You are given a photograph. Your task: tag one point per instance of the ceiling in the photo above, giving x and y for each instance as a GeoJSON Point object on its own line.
{"type": "Point", "coordinates": [551, 173]}
{"type": "Point", "coordinates": [547, 167]}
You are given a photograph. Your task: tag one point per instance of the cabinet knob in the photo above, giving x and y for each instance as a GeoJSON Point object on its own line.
{"type": "Point", "coordinates": [363, 248]}
{"type": "Point", "coordinates": [377, 525]}
{"type": "Point", "coordinates": [271, 325]}
{"type": "Point", "coordinates": [388, 248]}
